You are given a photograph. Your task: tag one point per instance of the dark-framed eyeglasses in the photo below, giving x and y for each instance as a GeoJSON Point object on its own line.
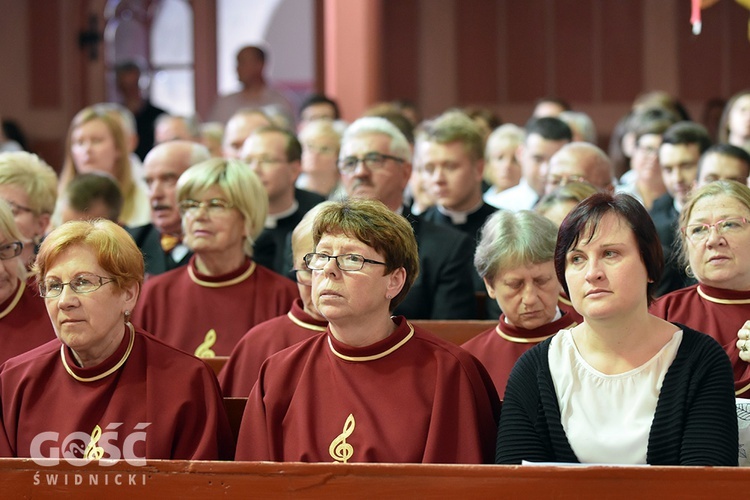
{"type": "Point", "coordinates": [371, 161]}
{"type": "Point", "coordinates": [81, 283]}
{"type": "Point", "coordinates": [214, 206]}
{"type": "Point", "coordinates": [699, 232]}
{"type": "Point", "coordinates": [10, 250]}
{"type": "Point", "coordinates": [345, 262]}
{"type": "Point", "coordinates": [301, 276]}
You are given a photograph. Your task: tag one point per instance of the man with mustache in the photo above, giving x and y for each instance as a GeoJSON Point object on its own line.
{"type": "Point", "coordinates": [160, 241]}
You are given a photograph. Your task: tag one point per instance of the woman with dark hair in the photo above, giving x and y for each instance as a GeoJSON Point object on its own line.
{"type": "Point", "coordinates": [624, 386]}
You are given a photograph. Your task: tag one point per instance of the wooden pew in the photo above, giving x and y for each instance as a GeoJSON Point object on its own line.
{"type": "Point", "coordinates": [23, 478]}
{"type": "Point", "coordinates": [456, 331]}
{"type": "Point", "coordinates": [216, 363]}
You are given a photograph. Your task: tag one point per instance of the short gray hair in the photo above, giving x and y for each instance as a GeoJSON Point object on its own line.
{"type": "Point", "coordinates": [378, 125]}
{"type": "Point", "coordinates": [512, 239]}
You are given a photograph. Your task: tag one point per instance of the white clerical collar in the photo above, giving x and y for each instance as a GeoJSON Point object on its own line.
{"type": "Point", "coordinates": [272, 219]}
{"type": "Point", "coordinates": [457, 217]}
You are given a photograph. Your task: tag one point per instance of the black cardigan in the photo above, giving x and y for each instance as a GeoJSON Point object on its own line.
{"type": "Point", "coordinates": [695, 422]}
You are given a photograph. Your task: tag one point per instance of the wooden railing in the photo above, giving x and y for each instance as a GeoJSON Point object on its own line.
{"type": "Point", "coordinates": [23, 478]}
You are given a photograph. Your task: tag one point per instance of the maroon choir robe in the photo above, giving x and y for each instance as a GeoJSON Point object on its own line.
{"type": "Point", "coordinates": [207, 315]}
{"type": "Point", "coordinates": [241, 371]}
{"type": "Point", "coordinates": [146, 401]}
{"type": "Point", "coordinates": [411, 398]}
{"type": "Point", "coordinates": [716, 312]}
{"type": "Point", "coordinates": [500, 347]}
{"type": "Point", "coordinates": [24, 323]}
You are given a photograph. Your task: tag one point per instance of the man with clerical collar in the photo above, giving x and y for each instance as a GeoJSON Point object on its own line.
{"type": "Point", "coordinates": [161, 240]}
{"type": "Point", "coordinates": [451, 153]}
{"type": "Point", "coordinates": [274, 154]}
{"type": "Point", "coordinates": [375, 163]}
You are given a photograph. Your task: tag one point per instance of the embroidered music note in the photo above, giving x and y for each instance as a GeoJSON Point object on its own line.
{"type": "Point", "coordinates": [204, 350]}
{"type": "Point", "coordinates": [94, 452]}
{"type": "Point", "coordinates": [340, 450]}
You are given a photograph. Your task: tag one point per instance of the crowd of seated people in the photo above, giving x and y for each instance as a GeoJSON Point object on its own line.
{"type": "Point", "coordinates": [616, 284]}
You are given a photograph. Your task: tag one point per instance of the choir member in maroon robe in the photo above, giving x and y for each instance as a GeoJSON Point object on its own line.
{"type": "Point", "coordinates": [103, 388]}
{"type": "Point", "coordinates": [715, 245]}
{"type": "Point", "coordinates": [205, 307]}
{"type": "Point", "coordinates": [302, 322]}
{"type": "Point", "coordinates": [515, 258]}
{"type": "Point", "coordinates": [373, 388]}
{"type": "Point", "coordinates": [23, 321]}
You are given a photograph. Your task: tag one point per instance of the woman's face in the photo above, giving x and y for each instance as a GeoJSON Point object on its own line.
{"type": "Point", "coordinates": [10, 270]}
{"type": "Point", "coordinates": [31, 225]}
{"type": "Point", "coordinates": [503, 164]}
{"type": "Point", "coordinates": [739, 118]}
{"type": "Point", "coordinates": [605, 273]}
{"type": "Point", "coordinates": [721, 258]}
{"type": "Point", "coordinates": [93, 148]}
{"type": "Point", "coordinates": [213, 230]}
{"type": "Point", "coordinates": [527, 295]}
{"type": "Point", "coordinates": [341, 296]}
{"type": "Point", "coordinates": [91, 324]}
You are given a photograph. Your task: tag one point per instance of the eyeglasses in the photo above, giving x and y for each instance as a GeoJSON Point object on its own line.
{"type": "Point", "coordinates": [321, 150]}
{"type": "Point", "coordinates": [345, 262]}
{"type": "Point", "coordinates": [10, 250]}
{"type": "Point", "coordinates": [301, 276]}
{"type": "Point", "coordinates": [263, 162]}
{"type": "Point", "coordinates": [699, 232]}
{"type": "Point", "coordinates": [214, 206]}
{"type": "Point", "coordinates": [371, 161]}
{"type": "Point", "coordinates": [16, 209]}
{"type": "Point", "coordinates": [562, 180]}
{"type": "Point", "coordinates": [82, 283]}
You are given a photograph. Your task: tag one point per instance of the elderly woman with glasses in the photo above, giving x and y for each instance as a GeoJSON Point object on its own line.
{"type": "Point", "coordinates": [23, 322]}
{"type": "Point", "coordinates": [715, 246]}
{"type": "Point", "coordinates": [104, 388]}
{"type": "Point", "coordinates": [205, 307]}
{"type": "Point", "coordinates": [301, 322]}
{"type": "Point", "coordinates": [373, 388]}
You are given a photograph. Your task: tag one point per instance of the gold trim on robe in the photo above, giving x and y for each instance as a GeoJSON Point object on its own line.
{"type": "Point", "coordinates": [109, 372]}
{"type": "Point", "coordinates": [210, 284]}
{"type": "Point", "coordinates": [16, 299]}
{"type": "Point", "coordinates": [302, 324]}
{"type": "Point", "coordinates": [720, 301]}
{"type": "Point", "coordinates": [374, 356]}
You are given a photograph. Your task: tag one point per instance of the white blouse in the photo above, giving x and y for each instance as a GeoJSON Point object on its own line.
{"type": "Point", "coordinates": [607, 418]}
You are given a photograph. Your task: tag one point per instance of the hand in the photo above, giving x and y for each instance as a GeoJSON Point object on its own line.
{"type": "Point", "coordinates": [743, 342]}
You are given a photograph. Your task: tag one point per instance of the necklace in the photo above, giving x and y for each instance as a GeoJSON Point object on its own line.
{"type": "Point", "coordinates": [117, 366]}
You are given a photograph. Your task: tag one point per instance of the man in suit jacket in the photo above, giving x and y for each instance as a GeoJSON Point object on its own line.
{"type": "Point", "coordinates": [161, 240]}
{"type": "Point", "coordinates": [375, 163]}
{"type": "Point", "coordinates": [682, 146]}
{"type": "Point", "coordinates": [451, 159]}
{"type": "Point", "coordinates": [274, 154]}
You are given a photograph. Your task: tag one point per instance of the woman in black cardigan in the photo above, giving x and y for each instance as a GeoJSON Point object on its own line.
{"type": "Point", "coordinates": [624, 386]}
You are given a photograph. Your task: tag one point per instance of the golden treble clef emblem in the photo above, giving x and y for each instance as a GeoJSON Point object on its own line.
{"type": "Point", "coordinates": [204, 350]}
{"type": "Point", "coordinates": [340, 450]}
{"type": "Point", "coordinates": [92, 451]}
